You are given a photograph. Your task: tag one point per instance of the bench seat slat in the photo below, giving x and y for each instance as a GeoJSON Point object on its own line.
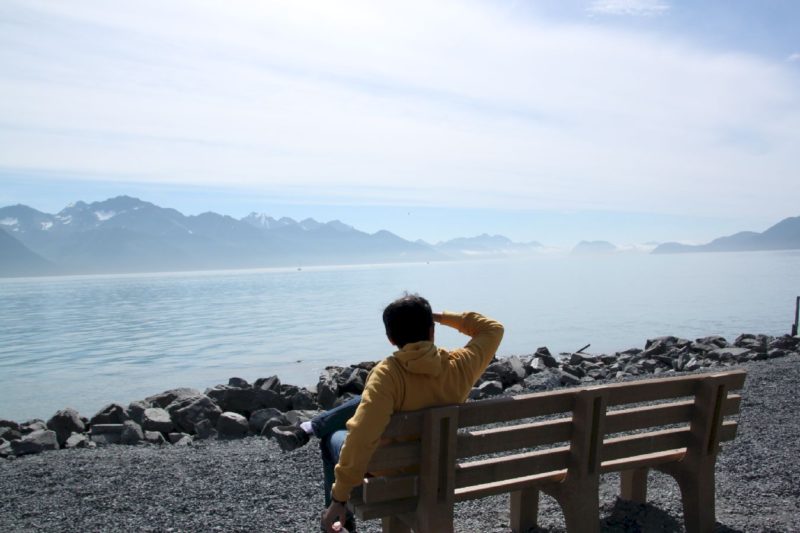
{"type": "Point", "coordinates": [514, 437]}
{"type": "Point", "coordinates": [561, 401]}
{"type": "Point", "coordinates": [515, 408]}
{"type": "Point", "coordinates": [648, 390]}
{"type": "Point", "coordinates": [656, 441]}
{"type": "Point", "coordinates": [642, 461]}
{"type": "Point", "coordinates": [661, 415]}
{"type": "Point", "coordinates": [511, 466]}
{"type": "Point", "coordinates": [644, 443]}
{"type": "Point", "coordinates": [508, 485]}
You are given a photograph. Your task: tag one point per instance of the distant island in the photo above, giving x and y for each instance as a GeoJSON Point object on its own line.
{"type": "Point", "coordinates": [785, 235]}
{"type": "Point", "coordinates": [125, 234]}
{"type": "Point", "coordinates": [594, 247]}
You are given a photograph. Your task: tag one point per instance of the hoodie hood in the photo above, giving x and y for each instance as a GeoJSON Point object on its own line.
{"type": "Point", "coordinates": [421, 357]}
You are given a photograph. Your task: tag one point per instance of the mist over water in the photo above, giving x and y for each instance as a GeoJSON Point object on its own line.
{"type": "Point", "coordinates": [87, 341]}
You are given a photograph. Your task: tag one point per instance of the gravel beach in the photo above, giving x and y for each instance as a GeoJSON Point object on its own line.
{"type": "Point", "coordinates": [249, 484]}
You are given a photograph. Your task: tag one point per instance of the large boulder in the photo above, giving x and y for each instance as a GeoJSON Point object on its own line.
{"type": "Point", "coordinates": [9, 433]}
{"type": "Point", "coordinates": [64, 423]}
{"type": "Point", "coordinates": [784, 342]}
{"type": "Point", "coordinates": [353, 380]}
{"type": "Point", "coordinates": [239, 383]}
{"type": "Point", "coordinates": [157, 419]}
{"type": "Point", "coordinates": [112, 413]}
{"type": "Point", "coordinates": [508, 371]}
{"type": "Point", "coordinates": [136, 411]}
{"type": "Point", "coordinates": [490, 388]}
{"type": "Point", "coordinates": [204, 429]}
{"type": "Point", "coordinates": [259, 418]}
{"type": "Point", "coordinates": [731, 354]}
{"type": "Point", "coordinates": [107, 433]}
{"type": "Point", "coordinates": [9, 424]}
{"type": "Point", "coordinates": [154, 437]}
{"type": "Point", "coordinates": [167, 397]}
{"type": "Point", "coordinates": [231, 425]}
{"type": "Point", "coordinates": [185, 413]}
{"type": "Point", "coordinates": [304, 400]}
{"type": "Point", "coordinates": [78, 440]}
{"type": "Point", "coordinates": [131, 433]}
{"type": "Point", "coordinates": [547, 358]}
{"type": "Point", "coordinates": [271, 398]}
{"type": "Point", "coordinates": [240, 400]}
{"type": "Point", "coordinates": [271, 383]}
{"type": "Point", "coordinates": [568, 378]}
{"type": "Point", "coordinates": [35, 442]}
{"type": "Point", "coordinates": [327, 388]}
{"type": "Point", "coordinates": [544, 380]}
{"type": "Point", "coordinates": [715, 340]}
{"type": "Point", "coordinates": [29, 426]}
{"type": "Point", "coordinates": [177, 436]}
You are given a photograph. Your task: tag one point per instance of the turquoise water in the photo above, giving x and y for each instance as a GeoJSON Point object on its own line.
{"type": "Point", "coordinates": [86, 341]}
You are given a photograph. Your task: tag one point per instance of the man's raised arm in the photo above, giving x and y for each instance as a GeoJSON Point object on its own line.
{"type": "Point", "coordinates": [486, 335]}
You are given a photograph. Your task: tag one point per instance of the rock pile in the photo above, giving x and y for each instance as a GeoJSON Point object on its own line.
{"type": "Point", "coordinates": [178, 416]}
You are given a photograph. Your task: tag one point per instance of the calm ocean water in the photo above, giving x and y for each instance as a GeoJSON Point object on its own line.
{"type": "Point", "coordinates": [87, 341]}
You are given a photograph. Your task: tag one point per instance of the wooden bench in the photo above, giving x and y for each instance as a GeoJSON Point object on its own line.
{"type": "Point", "coordinates": [677, 431]}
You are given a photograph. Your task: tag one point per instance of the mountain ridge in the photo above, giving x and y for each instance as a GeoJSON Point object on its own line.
{"type": "Point", "coordinates": [126, 234]}
{"type": "Point", "coordinates": [785, 235]}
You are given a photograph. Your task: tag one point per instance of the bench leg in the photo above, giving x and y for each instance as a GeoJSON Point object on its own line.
{"type": "Point", "coordinates": [392, 524]}
{"type": "Point", "coordinates": [524, 510]}
{"type": "Point", "coordinates": [633, 485]}
{"type": "Point", "coordinates": [580, 503]}
{"type": "Point", "coordinates": [697, 492]}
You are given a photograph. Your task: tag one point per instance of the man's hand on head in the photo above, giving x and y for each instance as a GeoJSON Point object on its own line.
{"type": "Point", "coordinates": [336, 512]}
{"type": "Point", "coordinates": [437, 317]}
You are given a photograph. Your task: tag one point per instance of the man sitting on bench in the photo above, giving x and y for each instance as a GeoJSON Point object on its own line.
{"type": "Point", "coordinates": [417, 375]}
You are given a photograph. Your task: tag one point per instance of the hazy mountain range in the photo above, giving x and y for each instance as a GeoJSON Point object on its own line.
{"type": "Point", "coordinates": [785, 235]}
{"type": "Point", "coordinates": [125, 234]}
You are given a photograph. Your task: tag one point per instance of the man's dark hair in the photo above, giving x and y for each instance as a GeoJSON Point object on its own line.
{"type": "Point", "coordinates": [408, 319]}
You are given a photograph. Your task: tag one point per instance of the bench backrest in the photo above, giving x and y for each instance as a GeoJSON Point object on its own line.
{"type": "Point", "coordinates": [546, 437]}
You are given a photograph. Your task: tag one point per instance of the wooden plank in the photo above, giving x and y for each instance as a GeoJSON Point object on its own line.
{"type": "Point", "coordinates": [382, 489]}
{"type": "Point", "coordinates": [560, 401]}
{"type": "Point", "coordinates": [654, 441]}
{"type": "Point", "coordinates": [511, 466]}
{"type": "Point", "coordinates": [661, 415]}
{"type": "Point", "coordinates": [511, 438]}
{"type": "Point", "coordinates": [405, 424]}
{"type": "Point", "coordinates": [642, 461]}
{"type": "Point", "coordinates": [657, 441]}
{"type": "Point", "coordinates": [515, 407]}
{"type": "Point", "coordinates": [396, 455]}
{"type": "Point", "coordinates": [665, 388]}
{"type": "Point", "coordinates": [509, 485]}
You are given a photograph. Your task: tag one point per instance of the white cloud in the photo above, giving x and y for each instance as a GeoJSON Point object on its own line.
{"type": "Point", "coordinates": [444, 103]}
{"type": "Point", "coordinates": [793, 57]}
{"type": "Point", "coordinates": [629, 7]}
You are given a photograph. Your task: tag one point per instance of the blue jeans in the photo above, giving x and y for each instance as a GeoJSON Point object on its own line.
{"type": "Point", "coordinates": [331, 429]}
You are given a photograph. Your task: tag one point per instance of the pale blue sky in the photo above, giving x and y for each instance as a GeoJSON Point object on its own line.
{"type": "Point", "coordinates": [556, 121]}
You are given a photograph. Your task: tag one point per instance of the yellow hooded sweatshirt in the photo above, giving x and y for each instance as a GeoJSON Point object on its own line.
{"type": "Point", "coordinates": [417, 376]}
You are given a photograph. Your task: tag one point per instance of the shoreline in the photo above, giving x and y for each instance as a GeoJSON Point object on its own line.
{"type": "Point", "coordinates": [239, 409]}
{"type": "Point", "coordinates": [248, 484]}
